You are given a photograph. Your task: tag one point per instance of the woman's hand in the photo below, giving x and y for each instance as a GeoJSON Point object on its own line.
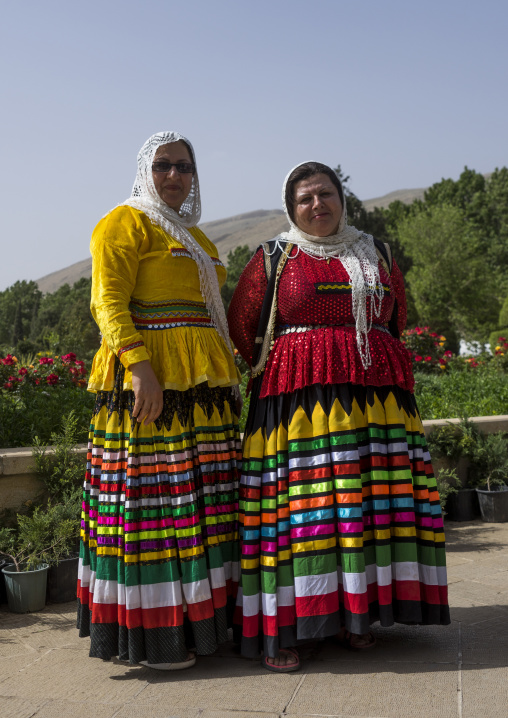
{"type": "Point", "coordinates": [147, 392]}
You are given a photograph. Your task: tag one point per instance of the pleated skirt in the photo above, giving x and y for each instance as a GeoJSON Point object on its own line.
{"type": "Point", "coordinates": [159, 554]}
{"type": "Point", "coordinates": [340, 519]}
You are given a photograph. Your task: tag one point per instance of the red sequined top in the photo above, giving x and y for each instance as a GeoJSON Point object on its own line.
{"type": "Point", "coordinates": [314, 292]}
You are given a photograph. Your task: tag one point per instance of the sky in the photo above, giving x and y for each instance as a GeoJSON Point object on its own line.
{"type": "Point", "coordinates": [400, 94]}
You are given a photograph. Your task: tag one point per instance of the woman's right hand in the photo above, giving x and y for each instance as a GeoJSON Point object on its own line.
{"type": "Point", "coordinates": [147, 392]}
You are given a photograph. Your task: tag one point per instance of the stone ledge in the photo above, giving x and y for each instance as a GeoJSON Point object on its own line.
{"type": "Point", "coordinates": [19, 460]}
{"type": "Point", "coordinates": [486, 424]}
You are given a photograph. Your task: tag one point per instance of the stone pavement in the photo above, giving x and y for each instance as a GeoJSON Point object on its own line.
{"type": "Point", "coordinates": [457, 671]}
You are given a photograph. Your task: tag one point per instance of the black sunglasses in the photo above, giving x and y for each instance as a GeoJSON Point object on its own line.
{"type": "Point", "coordinates": [181, 167]}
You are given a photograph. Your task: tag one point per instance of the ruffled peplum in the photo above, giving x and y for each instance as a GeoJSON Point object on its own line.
{"type": "Point", "coordinates": [329, 355]}
{"type": "Point", "coordinates": [181, 358]}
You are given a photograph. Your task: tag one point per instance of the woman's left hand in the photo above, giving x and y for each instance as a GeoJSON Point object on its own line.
{"type": "Point", "coordinates": [147, 391]}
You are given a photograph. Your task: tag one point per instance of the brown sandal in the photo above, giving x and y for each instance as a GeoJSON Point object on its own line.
{"type": "Point", "coordinates": [287, 667]}
{"type": "Point", "coordinates": [349, 641]}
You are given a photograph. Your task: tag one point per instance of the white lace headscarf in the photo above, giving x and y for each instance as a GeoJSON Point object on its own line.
{"type": "Point", "coordinates": [146, 198]}
{"type": "Point", "coordinates": [357, 252]}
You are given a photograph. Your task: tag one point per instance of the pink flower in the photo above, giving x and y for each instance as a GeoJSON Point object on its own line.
{"type": "Point", "coordinates": [448, 353]}
{"type": "Point", "coordinates": [9, 360]}
{"type": "Point", "coordinates": [46, 360]}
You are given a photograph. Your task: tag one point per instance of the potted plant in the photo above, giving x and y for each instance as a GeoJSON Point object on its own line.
{"type": "Point", "coordinates": [489, 468]}
{"type": "Point", "coordinates": [448, 485]}
{"type": "Point", "coordinates": [450, 447]}
{"type": "Point", "coordinates": [41, 538]}
{"type": "Point", "coordinates": [61, 470]}
{"type": "Point", "coordinates": [63, 560]}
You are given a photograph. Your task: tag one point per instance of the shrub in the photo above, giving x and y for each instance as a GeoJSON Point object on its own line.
{"type": "Point", "coordinates": [447, 483]}
{"type": "Point", "coordinates": [62, 469]}
{"type": "Point", "coordinates": [36, 392]}
{"type": "Point", "coordinates": [461, 391]}
{"type": "Point", "coordinates": [426, 349]}
{"type": "Point", "coordinates": [489, 460]}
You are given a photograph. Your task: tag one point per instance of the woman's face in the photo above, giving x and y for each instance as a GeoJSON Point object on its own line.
{"type": "Point", "coordinates": [317, 206]}
{"type": "Point", "coordinates": [172, 187]}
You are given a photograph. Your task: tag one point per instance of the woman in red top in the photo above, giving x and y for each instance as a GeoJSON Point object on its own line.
{"type": "Point", "coordinates": [340, 516]}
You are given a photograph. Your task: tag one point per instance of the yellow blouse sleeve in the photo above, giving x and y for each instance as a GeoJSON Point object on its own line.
{"type": "Point", "coordinates": [115, 247]}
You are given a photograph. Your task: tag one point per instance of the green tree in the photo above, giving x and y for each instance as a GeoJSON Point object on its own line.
{"type": "Point", "coordinates": [236, 262]}
{"type": "Point", "coordinates": [16, 307]}
{"type": "Point", "coordinates": [64, 321]}
{"type": "Point", "coordinates": [17, 329]}
{"type": "Point", "coordinates": [449, 275]}
{"type": "Point", "coordinates": [484, 203]}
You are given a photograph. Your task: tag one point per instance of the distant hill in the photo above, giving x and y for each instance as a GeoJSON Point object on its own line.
{"type": "Point", "coordinates": [250, 228]}
{"type": "Point", "coordinates": [403, 195]}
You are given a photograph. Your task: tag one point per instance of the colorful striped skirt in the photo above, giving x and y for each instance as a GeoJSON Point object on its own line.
{"type": "Point", "coordinates": [340, 517]}
{"type": "Point", "coordinates": [159, 556]}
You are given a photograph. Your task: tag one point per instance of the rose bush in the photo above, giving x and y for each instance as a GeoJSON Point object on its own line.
{"type": "Point", "coordinates": [35, 395]}
{"type": "Point", "coordinates": [46, 370]}
{"type": "Point", "coordinates": [426, 349]}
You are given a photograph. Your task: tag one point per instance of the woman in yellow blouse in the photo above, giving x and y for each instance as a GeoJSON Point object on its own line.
{"type": "Point", "coordinates": [159, 550]}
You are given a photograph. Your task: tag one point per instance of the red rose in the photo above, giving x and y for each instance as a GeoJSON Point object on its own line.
{"type": "Point", "coordinates": [9, 360]}
{"type": "Point", "coordinates": [448, 353]}
{"type": "Point", "coordinates": [70, 357]}
{"type": "Point", "coordinates": [418, 357]}
{"type": "Point", "coordinates": [8, 385]}
{"type": "Point", "coordinates": [23, 371]}
{"type": "Point", "coordinates": [52, 379]}
{"type": "Point", "coordinates": [428, 358]}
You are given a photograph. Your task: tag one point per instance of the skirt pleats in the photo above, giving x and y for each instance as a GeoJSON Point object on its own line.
{"type": "Point", "coordinates": [340, 517]}
{"type": "Point", "coordinates": [159, 556]}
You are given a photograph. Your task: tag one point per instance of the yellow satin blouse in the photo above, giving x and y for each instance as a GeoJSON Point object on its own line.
{"type": "Point", "coordinates": [147, 303]}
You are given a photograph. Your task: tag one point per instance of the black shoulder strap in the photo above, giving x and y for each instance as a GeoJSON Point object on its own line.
{"type": "Point", "coordinates": [384, 253]}
{"type": "Point", "coordinates": [272, 252]}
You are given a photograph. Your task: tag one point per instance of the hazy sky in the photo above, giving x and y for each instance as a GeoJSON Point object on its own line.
{"type": "Point", "coordinates": [399, 93]}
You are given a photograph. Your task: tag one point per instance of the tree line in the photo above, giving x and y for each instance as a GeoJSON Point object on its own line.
{"type": "Point", "coordinates": [452, 248]}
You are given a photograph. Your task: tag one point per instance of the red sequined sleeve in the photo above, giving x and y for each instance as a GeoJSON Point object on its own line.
{"type": "Point", "coordinates": [400, 295]}
{"type": "Point", "coordinates": [245, 307]}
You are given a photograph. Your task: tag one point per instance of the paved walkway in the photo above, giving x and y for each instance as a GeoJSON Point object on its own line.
{"type": "Point", "coordinates": [458, 671]}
